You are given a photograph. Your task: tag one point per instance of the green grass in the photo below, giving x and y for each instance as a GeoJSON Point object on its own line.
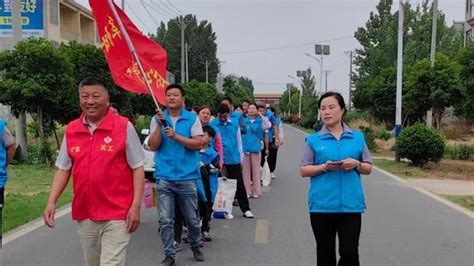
{"type": "Point", "coordinates": [465, 201]}
{"type": "Point", "coordinates": [402, 169]}
{"type": "Point", "coordinates": [27, 192]}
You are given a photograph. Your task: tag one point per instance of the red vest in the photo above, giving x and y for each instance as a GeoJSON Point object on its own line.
{"type": "Point", "coordinates": [102, 179]}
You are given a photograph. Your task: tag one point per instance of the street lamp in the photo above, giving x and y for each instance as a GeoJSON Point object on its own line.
{"type": "Point", "coordinates": [321, 70]}
{"type": "Point", "coordinates": [301, 90]}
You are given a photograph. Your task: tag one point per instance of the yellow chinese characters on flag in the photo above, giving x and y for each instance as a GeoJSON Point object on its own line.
{"type": "Point", "coordinates": [125, 71]}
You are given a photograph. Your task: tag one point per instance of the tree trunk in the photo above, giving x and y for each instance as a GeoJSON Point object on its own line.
{"type": "Point", "coordinates": [20, 135]}
{"type": "Point", "coordinates": [438, 117]}
{"type": "Point", "coordinates": [55, 135]}
{"type": "Point", "coordinates": [39, 123]}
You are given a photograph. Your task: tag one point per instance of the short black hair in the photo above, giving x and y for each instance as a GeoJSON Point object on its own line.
{"type": "Point", "coordinates": [222, 109]}
{"type": "Point", "coordinates": [210, 131]}
{"type": "Point", "coordinates": [245, 101]}
{"type": "Point", "coordinates": [337, 96]}
{"type": "Point", "coordinates": [238, 106]}
{"type": "Point", "coordinates": [254, 104]}
{"type": "Point", "coordinates": [175, 86]}
{"type": "Point", "coordinates": [90, 81]}
{"type": "Point", "coordinates": [227, 99]}
{"type": "Point", "coordinates": [261, 106]}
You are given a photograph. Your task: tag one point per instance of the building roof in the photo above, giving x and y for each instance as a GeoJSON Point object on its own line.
{"type": "Point", "coordinates": [267, 95]}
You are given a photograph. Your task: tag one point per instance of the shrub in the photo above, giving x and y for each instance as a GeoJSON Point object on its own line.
{"type": "Point", "coordinates": [420, 145]}
{"type": "Point", "coordinates": [142, 122]}
{"type": "Point", "coordinates": [369, 137]}
{"type": "Point", "coordinates": [460, 152]}
{"type": "Point", "coordinates": [41, 152]}
{"type": "Point", "coordinates": [356, 115]}
{"type": "Point", "coordinates": [384, 134]}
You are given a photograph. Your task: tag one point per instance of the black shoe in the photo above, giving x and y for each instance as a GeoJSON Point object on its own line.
{"type": "Point", "coordinates": [169, 261]}
{"type": "Point", "coordinates": [197, 253]}
{"type": "Point", "coordinates": [206, 237]}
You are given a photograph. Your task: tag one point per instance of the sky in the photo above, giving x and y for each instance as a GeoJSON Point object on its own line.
{"type": "Point", "coordinates": [293, 27]}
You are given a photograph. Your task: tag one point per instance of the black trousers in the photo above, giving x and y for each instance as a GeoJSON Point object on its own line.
{"type": "Point", "coordinates": [271, 159]}
{"type": "Point", "coordinates": [347, 227]}
{"type": "Point", "coordinates": [234, 171]}
{"type": "Point", "coordinates": [205, 213]}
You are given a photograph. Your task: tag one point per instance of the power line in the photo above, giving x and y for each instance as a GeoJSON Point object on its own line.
{"type": "Point", "coordinates": [148, 12]}
{"type": "Point", "coordinates": [169, 9]}
{"type": "Point", "coordinates": [286, 47]}
{"type": "Point", "coordinates": [177, 9]}
{"type": "Point", "coordinates": [139, 19]}
{"type": "Point", "coordinates": [161, 11]}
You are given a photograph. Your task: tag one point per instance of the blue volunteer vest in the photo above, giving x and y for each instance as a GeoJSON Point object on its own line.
{"type": "Point", "coordinates": [3, 157]}
{"type": "Point", "coordinates": [175, 162]}
{"type": "Point", "coordinates": [252, 139]}
{"type": "Point", "coordinates": [229, 140]}
{"type": "Point", "coordinates": [336, 191]}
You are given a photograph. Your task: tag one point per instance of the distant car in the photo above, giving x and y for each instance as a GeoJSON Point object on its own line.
{"type": "Point", "coordinates": [149, 158]}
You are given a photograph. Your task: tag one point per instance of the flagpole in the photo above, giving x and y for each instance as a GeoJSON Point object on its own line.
{"type": "Point", "coordinates": [133, 51]}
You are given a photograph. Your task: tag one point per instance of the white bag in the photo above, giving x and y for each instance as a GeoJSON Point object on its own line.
{"type": "Point", "coordinates": [266, 175]}
{"type": "Point", "coordinates": [222, 207]}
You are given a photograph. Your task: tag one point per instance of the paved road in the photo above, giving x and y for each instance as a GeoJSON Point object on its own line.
{"type": "Point", "coordinates": [401, 227]}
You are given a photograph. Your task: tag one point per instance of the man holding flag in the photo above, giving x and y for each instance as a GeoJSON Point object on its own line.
{"type": "Point", "coordinates": [177, 136]}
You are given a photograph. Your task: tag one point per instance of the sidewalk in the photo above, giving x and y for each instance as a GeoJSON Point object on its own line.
{"type": "Point", "coordinates": [446, 186]}
{"type": "Point", "coordinates": [441, 186]}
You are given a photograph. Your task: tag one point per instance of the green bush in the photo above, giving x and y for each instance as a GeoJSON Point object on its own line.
{"type": "Point", "coordinates": [142, 122]}
{"type": "Point", "coordinates": [41, 152]}
{"type": "Point", "coordinates": [384, 134]}
{"type": "Point", "coordinates": [420, 145]}
{"type": "Point", "coordinates": [356, 115]}
{"type": "Point", "coordinates": [460, 152]}
{"type": "Point", "coordinates": [369, 137]}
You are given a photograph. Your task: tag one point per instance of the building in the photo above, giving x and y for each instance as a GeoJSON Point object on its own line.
{"type": "Point", "coordinates": [268, 98]}
{"type": "Point", "coordinates": [469, 25]}
{"type": "Point", "coordinates": [60, 21]}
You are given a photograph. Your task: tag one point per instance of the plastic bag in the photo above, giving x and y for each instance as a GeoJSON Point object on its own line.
{"type": "Point", "coordinates": [222, 207]}
{"type": "Point", "coordinates": [149, 195]}
{"type": "Point", "coordinates": [266, 175]}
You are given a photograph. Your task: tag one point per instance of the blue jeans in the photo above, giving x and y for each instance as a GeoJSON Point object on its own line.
{"type": "Point", "coordinates": [185, 194]}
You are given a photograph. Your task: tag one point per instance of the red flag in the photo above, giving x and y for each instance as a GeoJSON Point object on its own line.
{"type": "Point", "coordinates": [125, 70]}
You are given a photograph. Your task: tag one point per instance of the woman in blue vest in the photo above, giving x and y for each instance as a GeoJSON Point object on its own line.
{"type": "Point", "coordinates": [252, 145]}
{"type": "Point", "coordinates": [334, 158]}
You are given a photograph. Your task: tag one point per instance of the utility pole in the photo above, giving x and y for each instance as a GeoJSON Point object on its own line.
{"type": "Point", "coordinates": [182, 26]}
{"type": "Point", "coordinates": [398, 108]}
{"type": "Point", "coordinates": [326, 73]}
{"type": "Point", "coordinates": [429, 114]}
{"type": "Point", "coordinates": [187, 69]}
{"type": "Point", "coordinates": [207, 71]}
{"type": "Point", "coordinates": [123, 5]}
{"type": "Point", "coordinates": [350, 80]}
{"type": "Point", "coordinates": [219, 76]}
{"type": "Point", "coordinates": [20, 122]}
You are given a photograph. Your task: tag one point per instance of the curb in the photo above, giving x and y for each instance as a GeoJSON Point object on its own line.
{"type": "Point", "coordinates": [33, 225]}
{"type": "Point", "coordinates": [422, 190]}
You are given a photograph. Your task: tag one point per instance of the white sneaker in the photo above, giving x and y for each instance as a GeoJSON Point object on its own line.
{"type": "Point", "coordinates": [248, 214]}
{"type": "Point", "coordinates": [273, 175]}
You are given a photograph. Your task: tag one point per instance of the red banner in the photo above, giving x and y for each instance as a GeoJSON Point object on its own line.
{"type": "Point", "coordinates": [123, 67]}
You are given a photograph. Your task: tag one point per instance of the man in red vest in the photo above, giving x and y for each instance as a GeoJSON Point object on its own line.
{"type": "Point", "coordinates": [104, 155]}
